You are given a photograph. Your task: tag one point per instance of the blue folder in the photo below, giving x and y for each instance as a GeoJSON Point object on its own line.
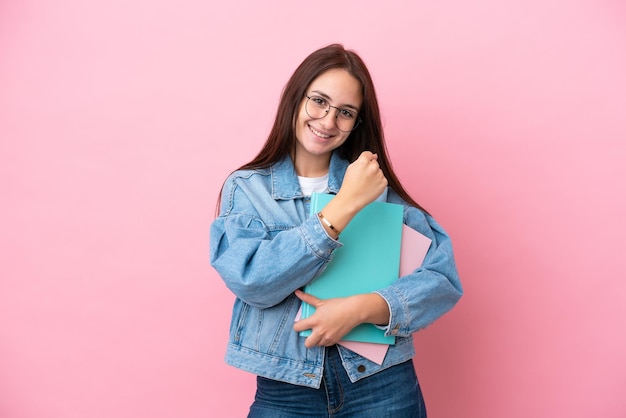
{"type": "Point", "coordinates": [369, 260]}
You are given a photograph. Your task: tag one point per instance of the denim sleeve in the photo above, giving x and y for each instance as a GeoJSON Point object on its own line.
{"type": "Point", "coordinates": [262, 266]}
{"type": "Point", "coordinates": [418, 299]}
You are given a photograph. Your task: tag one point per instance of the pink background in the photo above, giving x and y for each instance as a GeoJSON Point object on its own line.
{"type": "Point", "coordinates": [120, 119]}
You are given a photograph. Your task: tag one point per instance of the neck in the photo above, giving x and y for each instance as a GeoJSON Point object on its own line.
{"type": "Point", "coordinates": [312, 167]}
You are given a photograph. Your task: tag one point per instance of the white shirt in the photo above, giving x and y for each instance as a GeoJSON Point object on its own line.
{"type": "Point", "coordinates": [311, 185]}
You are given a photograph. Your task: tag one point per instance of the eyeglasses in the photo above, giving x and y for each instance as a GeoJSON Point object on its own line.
{"type": "Point", "coordinates": [318, 107]}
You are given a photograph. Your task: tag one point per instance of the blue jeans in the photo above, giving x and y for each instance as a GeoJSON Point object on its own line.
{"type": "Point", "coordinates": [391, 393]}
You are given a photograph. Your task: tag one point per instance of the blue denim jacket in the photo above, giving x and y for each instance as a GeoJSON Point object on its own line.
{"type": "Point", "coordinates": [265, 245]}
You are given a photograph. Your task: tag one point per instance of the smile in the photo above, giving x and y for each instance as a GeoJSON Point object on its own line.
{"type": "Point", "coordinates": [318, 133]}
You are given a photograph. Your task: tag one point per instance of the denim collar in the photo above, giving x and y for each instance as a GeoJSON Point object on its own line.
{"type": "Point", "coordinates": [285, 185]}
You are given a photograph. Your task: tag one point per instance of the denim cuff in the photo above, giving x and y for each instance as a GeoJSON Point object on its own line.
{"type": "Point", "coordinates": [317, 239]}
{"type": "Point", "coordinates": [398, 317]}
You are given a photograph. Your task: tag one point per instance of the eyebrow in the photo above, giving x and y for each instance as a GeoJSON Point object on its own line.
{"type": "Point", "coordinates": [327, 97]}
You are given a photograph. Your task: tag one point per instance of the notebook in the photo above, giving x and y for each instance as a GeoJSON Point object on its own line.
{"type": "Point", "coordinates": [369, 260]}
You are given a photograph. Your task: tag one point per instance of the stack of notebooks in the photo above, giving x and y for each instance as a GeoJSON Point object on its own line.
{"type": "Point", "coordinates": [377, 249]}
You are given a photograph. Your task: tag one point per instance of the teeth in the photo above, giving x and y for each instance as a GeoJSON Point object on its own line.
{"type": "Point", "coordinates": [318, 133]}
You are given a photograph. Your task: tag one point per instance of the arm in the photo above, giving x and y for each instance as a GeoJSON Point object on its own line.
{"type": "Point", "coordinates": [263, 264]}
{"type": "Point", "coordinates": [363, 182]}
{"type": "Point", "coordinates": [418, 299]}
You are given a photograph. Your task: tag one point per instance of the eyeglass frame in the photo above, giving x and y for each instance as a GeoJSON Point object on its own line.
{"type": "Point", "coordinates": [356, 124]}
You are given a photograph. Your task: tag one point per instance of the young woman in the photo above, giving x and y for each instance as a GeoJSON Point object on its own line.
{"type": "Point", "coordinates": [327, 137]}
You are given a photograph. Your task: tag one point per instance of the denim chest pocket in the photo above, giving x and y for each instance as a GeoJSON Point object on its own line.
{"type": "Point", "coordinates": [264, 330]}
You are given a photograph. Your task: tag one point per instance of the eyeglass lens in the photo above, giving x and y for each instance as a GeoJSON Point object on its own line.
{"type": "Point", "coordinates": [318, 107]}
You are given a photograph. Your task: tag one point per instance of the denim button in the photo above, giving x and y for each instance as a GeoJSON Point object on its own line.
{"type": "Point", "coordinates": [361, 368]}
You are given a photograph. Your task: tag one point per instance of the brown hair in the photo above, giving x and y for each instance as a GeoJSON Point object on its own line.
{"type": "Point", "coordinates": [367, 136]}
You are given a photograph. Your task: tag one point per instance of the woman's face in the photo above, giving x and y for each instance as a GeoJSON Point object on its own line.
{"type": "Point", "coordinates": [317, 138]}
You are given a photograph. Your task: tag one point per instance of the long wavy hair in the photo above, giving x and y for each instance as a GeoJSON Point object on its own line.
{"type": "Point", "coordinates": [367, 136]}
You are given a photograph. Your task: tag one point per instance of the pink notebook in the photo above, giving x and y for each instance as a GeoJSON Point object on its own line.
{"type": "Point", "coordinates": [413, 250]}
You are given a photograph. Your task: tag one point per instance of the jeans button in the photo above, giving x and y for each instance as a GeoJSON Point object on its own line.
{"type": "Point", "coordinates": [361, 368]}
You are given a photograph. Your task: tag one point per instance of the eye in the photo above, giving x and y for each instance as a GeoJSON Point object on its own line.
{"type": "Point", "coordinates": [346, 114]}
{"type": "Point", "coordinates": [320, 101]}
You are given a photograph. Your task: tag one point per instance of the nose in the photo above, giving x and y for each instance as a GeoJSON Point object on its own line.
{"type": "Point", "coordinates": [332, 120]}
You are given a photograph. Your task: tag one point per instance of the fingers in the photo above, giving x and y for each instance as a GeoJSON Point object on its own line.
{"type": "Point", "coordinates": [301, 325]}
{"type": "Point", "coordinates": [372, 172]}
{"type": "Point", "coordinates": [317, 337]}
{"type": "Point", "coordinates": [363, 182]}
{"type": "Point", "coordinates": [371, 161]}
{"type": "Point", "coordinates": [368, 156]}
{"type": "Point", "coordinates": [304, 324]}
{"type": "Point", "coordinates": [313, 341]}
{"type": "Point", "coordinates": [308, 298]}
{"type": "Point", "coordinates": [333, 318]}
